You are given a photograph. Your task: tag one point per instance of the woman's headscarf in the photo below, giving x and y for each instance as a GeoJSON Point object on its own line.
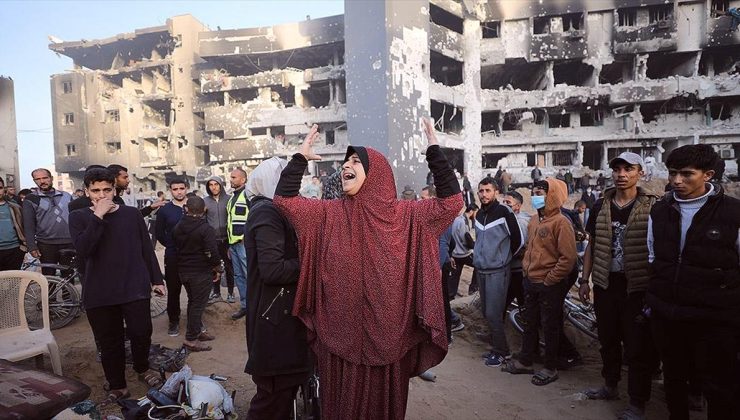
{"type": "Point", "coordinates": [333, 187]}
{"type": "Point", "coordinates": [264, 179]}
{"type": "Point", "coordinates": [369, 287]}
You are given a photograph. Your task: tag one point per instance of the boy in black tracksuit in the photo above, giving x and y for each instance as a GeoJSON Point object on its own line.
{"type": "Point", "coordinates": [198, 262]}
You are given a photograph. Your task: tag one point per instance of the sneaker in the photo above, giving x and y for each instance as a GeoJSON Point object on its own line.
{"type": "Point", "coordinates": [241, 313]}
{"type": "Point", "coordinates": [214, 297]}
{"type": "Point", "coordinates": [230, 298]}
{"type": "Point", "coordinates": [459, 326]}
{"type": "Point", "coordinates": [495, 360]}
{"type": "Point", "coordinates": [173, 330]}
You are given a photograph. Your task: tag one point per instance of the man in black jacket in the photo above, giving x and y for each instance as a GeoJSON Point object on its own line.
{"type": "Point", "coordinates": [276, 340]}
{"type": "Point", "coordinates": [198, 263]}
{"type": "Point", "coordinates": [694, 288]}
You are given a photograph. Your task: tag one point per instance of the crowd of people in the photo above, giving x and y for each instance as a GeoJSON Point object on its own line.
{"type": "Point", "coordinates": [349, 278]}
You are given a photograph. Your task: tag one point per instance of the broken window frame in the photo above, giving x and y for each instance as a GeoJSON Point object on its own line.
{"type": "Point", "coordinates": [719, 7]}
{"type": "Point", "coordinates": [594, 115]}
{"type": "Point", "coordinates": [71, 149]}
{"type": "Point", "coordinates": [627, 17]}
{"type": "Point", "coordinates": [660, 13]}
{"type": "Point", "coordinates": [113, 147]}
{"type": "Point", "coordinates": [570, 18]}
{"type": "Point", "coordinates": [541, 25]}
{"type": "Point", "coordinates": [330, 137]}
{"type": "Point", "coordinates": [67, 86]}
{"type": "Point", "coordinates": [437, 15]}
{"type": "Point", "coordinates": [560, 118]}
{"type": "Point", "coordinates": [491, 29]}
{"type": "Point", "coordinates": [562, 157]}
{"type": "Point", "coordinates": [69, 118]}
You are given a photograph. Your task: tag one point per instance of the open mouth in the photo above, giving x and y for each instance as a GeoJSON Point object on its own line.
{"type": "Point", "coordinates": [348, 176]}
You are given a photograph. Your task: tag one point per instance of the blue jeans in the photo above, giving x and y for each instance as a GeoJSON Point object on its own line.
{"type": "Point", "coordinates": [493, 286]}
{"type": "Point", "coordinates": [239, 261]}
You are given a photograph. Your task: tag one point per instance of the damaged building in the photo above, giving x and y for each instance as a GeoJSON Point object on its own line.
{"type": "Point", "coordinates": [558, 84]}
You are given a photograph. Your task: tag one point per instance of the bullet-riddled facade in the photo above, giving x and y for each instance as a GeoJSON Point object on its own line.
{"type": "Point", "coordinates": [559, 84]}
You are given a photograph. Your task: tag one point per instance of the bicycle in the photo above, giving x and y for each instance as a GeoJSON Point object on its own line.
{"type": "Point", "coordinates": [65, 302]}
{"type": "Point", "coordinates": [580, 314]}
{"type": "Point", "coordinates": [309, 395]}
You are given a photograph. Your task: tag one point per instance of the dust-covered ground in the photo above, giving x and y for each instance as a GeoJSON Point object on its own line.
{"type": "Point", "coordinates": [465, 387]}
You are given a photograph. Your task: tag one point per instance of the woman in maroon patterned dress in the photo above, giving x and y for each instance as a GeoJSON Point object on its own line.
{"type": "Point", "coordinates": [369, 289]}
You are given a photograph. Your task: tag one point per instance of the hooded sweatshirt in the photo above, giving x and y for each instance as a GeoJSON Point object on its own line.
{"type": "Point", "coordinates": [195, 241]}
{"type": "Point", "coordinates": [551, 244]}
{"type": "Point", "coordinates": [216, 206]}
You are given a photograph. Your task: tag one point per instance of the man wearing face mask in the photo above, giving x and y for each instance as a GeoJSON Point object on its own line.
{"type": "Point", "coordinates": [588, 197]}
{"type": "Point", "coordinates": [498, 238]}
{"type": "Point", "coordinates": [514, 201]}
{"type": "Point", "coordinates": [548, 260]}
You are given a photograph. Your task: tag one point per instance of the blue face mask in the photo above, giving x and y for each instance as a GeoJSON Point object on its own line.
{"type": "Point", "coordinates": [538, 201]}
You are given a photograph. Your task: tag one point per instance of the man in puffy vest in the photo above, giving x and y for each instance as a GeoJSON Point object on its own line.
{"type": "Point", "coordinates": [237, 211]}
{"type": "Point", "coordinates": [616, 259]}
{"type": "Point", "coordinates": [694, 289]}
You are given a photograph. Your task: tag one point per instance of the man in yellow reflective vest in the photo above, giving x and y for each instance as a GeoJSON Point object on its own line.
{"type": "Point", "coordinates": [237, 212]}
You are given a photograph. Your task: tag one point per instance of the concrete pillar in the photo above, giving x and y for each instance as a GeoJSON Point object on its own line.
{"type": "Point", "coordinates": [387, 67]}
{"type": "Point", "coordinates": [472, 112]}
{"type": "Point", "coordinates": [8, 135]}
{"type": "Point", "coordinates": [604, 155]}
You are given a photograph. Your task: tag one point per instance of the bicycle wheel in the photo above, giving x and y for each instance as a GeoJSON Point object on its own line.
{"type": "Point", "coordinates": [64, 304]}
{"type": "Point", "coordinates": [517, 319]}
{"type": "Point", "coordinates": [584, 322]}
{"type": "Point", "coordinates": [157, 305]}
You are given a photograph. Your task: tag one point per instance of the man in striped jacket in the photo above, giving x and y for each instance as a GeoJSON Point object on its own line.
{"type": "Point", "coordinates": [498, 238]}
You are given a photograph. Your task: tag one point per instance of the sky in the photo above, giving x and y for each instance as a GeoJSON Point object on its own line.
{"type": "Point", "coordinates": [25, 57]}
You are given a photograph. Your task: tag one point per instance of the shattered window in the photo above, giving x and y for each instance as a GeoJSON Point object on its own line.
{"type": "Point", "coordinates": [491, 29]}
{"type": "Point", "coordinates": [112, 115]}
{"type": "Point", "coordinates": [658, 13]}
{"type": "Point", "coordinates": [720, 6]}
{"type": "Point", "coordinates": [71, 149]}
{"type": "Point", "coordinates": [562, 158]}
{"type": "Point", "coordinates": [69, 118]}
{"type": "Point", "coordinates": [627, 17]}
{"type": "Point", "coordinates": [113, 147]}
{"type": "Point", "coordinates": [67, 87]}
{"type": "Point", "coordinates": [573, 22]}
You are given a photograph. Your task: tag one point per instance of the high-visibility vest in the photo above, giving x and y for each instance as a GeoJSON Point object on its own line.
{"type": "Point", "coordinates": [237, 211]}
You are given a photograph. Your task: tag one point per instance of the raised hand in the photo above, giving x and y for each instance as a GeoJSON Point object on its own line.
{"type": "Point", "coordinates": [429, 132]}
{"type": "Point", "coordinates": [307, 145]}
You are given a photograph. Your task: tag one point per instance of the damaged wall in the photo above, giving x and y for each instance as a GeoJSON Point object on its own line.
{"type": "Point", "coordinates": [513, 83]}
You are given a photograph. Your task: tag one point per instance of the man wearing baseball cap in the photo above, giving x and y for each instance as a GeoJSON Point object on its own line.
{"type": "Point", "coordinates": [616, 259]}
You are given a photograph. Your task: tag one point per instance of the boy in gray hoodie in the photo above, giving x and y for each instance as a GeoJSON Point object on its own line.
{"type": "Point", "coordinates": [216, 199]}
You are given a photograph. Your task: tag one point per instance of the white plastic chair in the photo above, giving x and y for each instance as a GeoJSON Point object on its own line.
{"type": "Point", "coordinates": [17, 340]}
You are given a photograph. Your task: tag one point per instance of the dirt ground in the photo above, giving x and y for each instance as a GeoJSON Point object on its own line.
{"type": "Point", "coordinates": [465, 387]}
